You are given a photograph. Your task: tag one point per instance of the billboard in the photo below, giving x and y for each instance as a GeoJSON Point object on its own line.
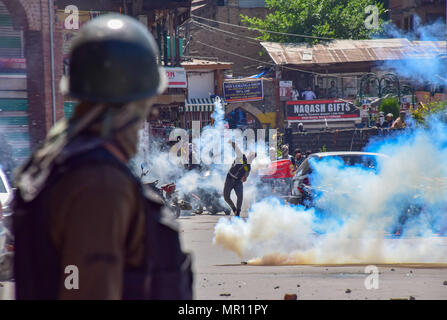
{"type": "Point", "coordinates": [318, 110]}
{"type": "Point", "coordinates": [236, 91]}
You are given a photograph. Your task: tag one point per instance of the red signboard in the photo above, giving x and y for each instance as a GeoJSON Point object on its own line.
{"type": "Point", "coordinates": [13, 63]}
{"type": "Point", "coordinates": [318, 110]}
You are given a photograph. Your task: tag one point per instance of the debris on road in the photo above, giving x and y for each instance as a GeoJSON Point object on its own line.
{"type": "Point", "coordinates": [445, 283]}
{"type": "Point", "coordinates": [290, 296]}
{"type": "Point", "coordinates": [348, 291]}
{"type": "Point", "coordinates": [277, 287]}
{"type": "Point", "coordinates": [410, 298]}
{"type": "Point", "coordinates": [225, 294]}
{"type": "Point", "coordinates": [392, 269]}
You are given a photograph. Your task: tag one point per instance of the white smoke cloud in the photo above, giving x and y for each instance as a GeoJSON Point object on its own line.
{"type": "Point", "coordinates": [211, 144]}
{"type": "Point", "coordinates": [357, 211]}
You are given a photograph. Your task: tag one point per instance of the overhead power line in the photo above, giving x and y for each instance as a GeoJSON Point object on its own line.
{"type": "Point", "coordinates": [230, 34]}
{"type": "Point", "coordinates": [263, 30]}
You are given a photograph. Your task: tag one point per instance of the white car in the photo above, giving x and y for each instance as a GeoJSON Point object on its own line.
{"type": "Point", "coordinates": [6, 247]}
{"type": "Point", "coordinates": [5, 195]}
{"type": "Point", "coordinates": [301, 187]}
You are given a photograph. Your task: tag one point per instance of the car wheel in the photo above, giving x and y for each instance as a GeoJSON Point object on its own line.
{"type": "Point", "coordinates": [6, 266]}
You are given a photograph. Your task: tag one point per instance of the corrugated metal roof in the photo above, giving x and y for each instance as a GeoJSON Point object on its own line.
{"type": "Point", "coordinates": [342, 51]}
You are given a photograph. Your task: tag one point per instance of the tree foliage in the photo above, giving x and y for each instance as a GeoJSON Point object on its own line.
{"type": "Point", "coordinates": [341, 19]}
{"type": "Point", "coordinates": [423, 111]}
{"type": "Point", "coordinates": [390, 105]}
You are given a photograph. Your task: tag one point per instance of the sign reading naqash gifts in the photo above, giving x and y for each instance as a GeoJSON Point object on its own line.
{"type": "Point", "coordinates": [317, 110]}
{"type": "Point", "coordinates": [235, 91]}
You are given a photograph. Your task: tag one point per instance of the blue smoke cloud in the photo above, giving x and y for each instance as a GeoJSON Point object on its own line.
{"type": "Point", "coordinates": [431, 70]}
{"type": "Point", "coordinates": [394, 214]}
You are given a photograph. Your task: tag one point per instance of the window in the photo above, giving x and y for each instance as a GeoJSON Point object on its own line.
{"type": "Point", "coordinates": [251, 3]}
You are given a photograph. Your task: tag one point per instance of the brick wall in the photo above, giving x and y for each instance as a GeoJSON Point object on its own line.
{"type": "Point", "coordinates": [237, 44]}
{"type": "Point", "coordinates": [269, 102]}
{"type": "Point", "coordinates": [340, 140]}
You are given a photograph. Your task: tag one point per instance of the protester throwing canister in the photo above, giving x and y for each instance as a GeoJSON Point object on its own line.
{"type": "Point", "coordinates": [236, 176]}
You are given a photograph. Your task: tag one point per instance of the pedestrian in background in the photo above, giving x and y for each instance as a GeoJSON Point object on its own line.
{"type": "Point", "coordinates": [297, 157]}
{"type": "Point", "coordinates": [333, 92]}
{"type": "Point", "coordinates": [309, 94]}
{"type": "Point", "coordinates": [400, 122]}
{"type": "Point", "coordinates": [388, 121]}
{"type": "Point", "coordinates": [295, 94]}
{"type": "Point", "coordinates": [285, 153]}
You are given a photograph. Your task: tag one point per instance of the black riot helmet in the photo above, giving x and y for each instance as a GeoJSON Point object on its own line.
{"type": "Point", "coordinates": [114, 59]}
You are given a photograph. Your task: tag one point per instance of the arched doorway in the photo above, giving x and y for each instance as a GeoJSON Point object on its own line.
{"type": "Point", "coordinates": [240, 119]}
{"type": "Point", "coordinates": [242, 116]}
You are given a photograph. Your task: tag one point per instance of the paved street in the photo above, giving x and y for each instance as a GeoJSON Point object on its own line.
{"type": "Point", "coordinates": [219, 272]}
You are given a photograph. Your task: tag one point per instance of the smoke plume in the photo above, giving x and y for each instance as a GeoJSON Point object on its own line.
{"type": "Point", "coordinates": [357, 210]}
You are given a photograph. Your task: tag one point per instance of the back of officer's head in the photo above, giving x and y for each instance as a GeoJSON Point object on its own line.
{"type": "Point", "coordinates": [113, 68]}
{"type": "Point", "coordinates": [114, 60]}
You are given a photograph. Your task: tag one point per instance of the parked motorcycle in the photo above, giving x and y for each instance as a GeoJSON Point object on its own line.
{"type": "Point", "coordinates": [168, 194]}
{"type": "Point", "coordinates": [207, 199]}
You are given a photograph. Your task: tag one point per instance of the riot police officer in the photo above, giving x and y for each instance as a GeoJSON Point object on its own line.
{"type": "Point", "coordinates": [84, 227]}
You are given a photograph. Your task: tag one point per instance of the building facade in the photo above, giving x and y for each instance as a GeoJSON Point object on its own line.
{"type": "Point", "coordinates": [35, 37]}
{"type": "Point", "coordinates": [228, 40]}
{"type": "Point", "coordinates": [403, 12]}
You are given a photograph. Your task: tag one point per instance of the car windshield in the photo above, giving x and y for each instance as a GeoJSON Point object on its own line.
{"type": "Point", "coordinates": [366, 161]}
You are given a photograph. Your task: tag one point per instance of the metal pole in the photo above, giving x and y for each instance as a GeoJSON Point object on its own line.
{"type": "Point", "coordinates": [277, 75]}
{"type": "Point", "coordinates": [53, 90]}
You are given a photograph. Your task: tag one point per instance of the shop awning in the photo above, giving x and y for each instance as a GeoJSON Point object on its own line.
{"type": "Point", "coordinates": [201, 104]}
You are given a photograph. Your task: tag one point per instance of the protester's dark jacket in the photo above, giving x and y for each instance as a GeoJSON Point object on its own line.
{"type": "Point", "coordinates": [240, 168]}
{"type": "Point", "coordinates": [93, 214]}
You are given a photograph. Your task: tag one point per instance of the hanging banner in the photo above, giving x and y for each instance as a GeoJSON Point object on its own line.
{"type": "Point", "coordinates": [236, 91]}
{"type": "Point", "coordinates": [285, 90]}
{"type": "Point", "coordinates": [318, 110]}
